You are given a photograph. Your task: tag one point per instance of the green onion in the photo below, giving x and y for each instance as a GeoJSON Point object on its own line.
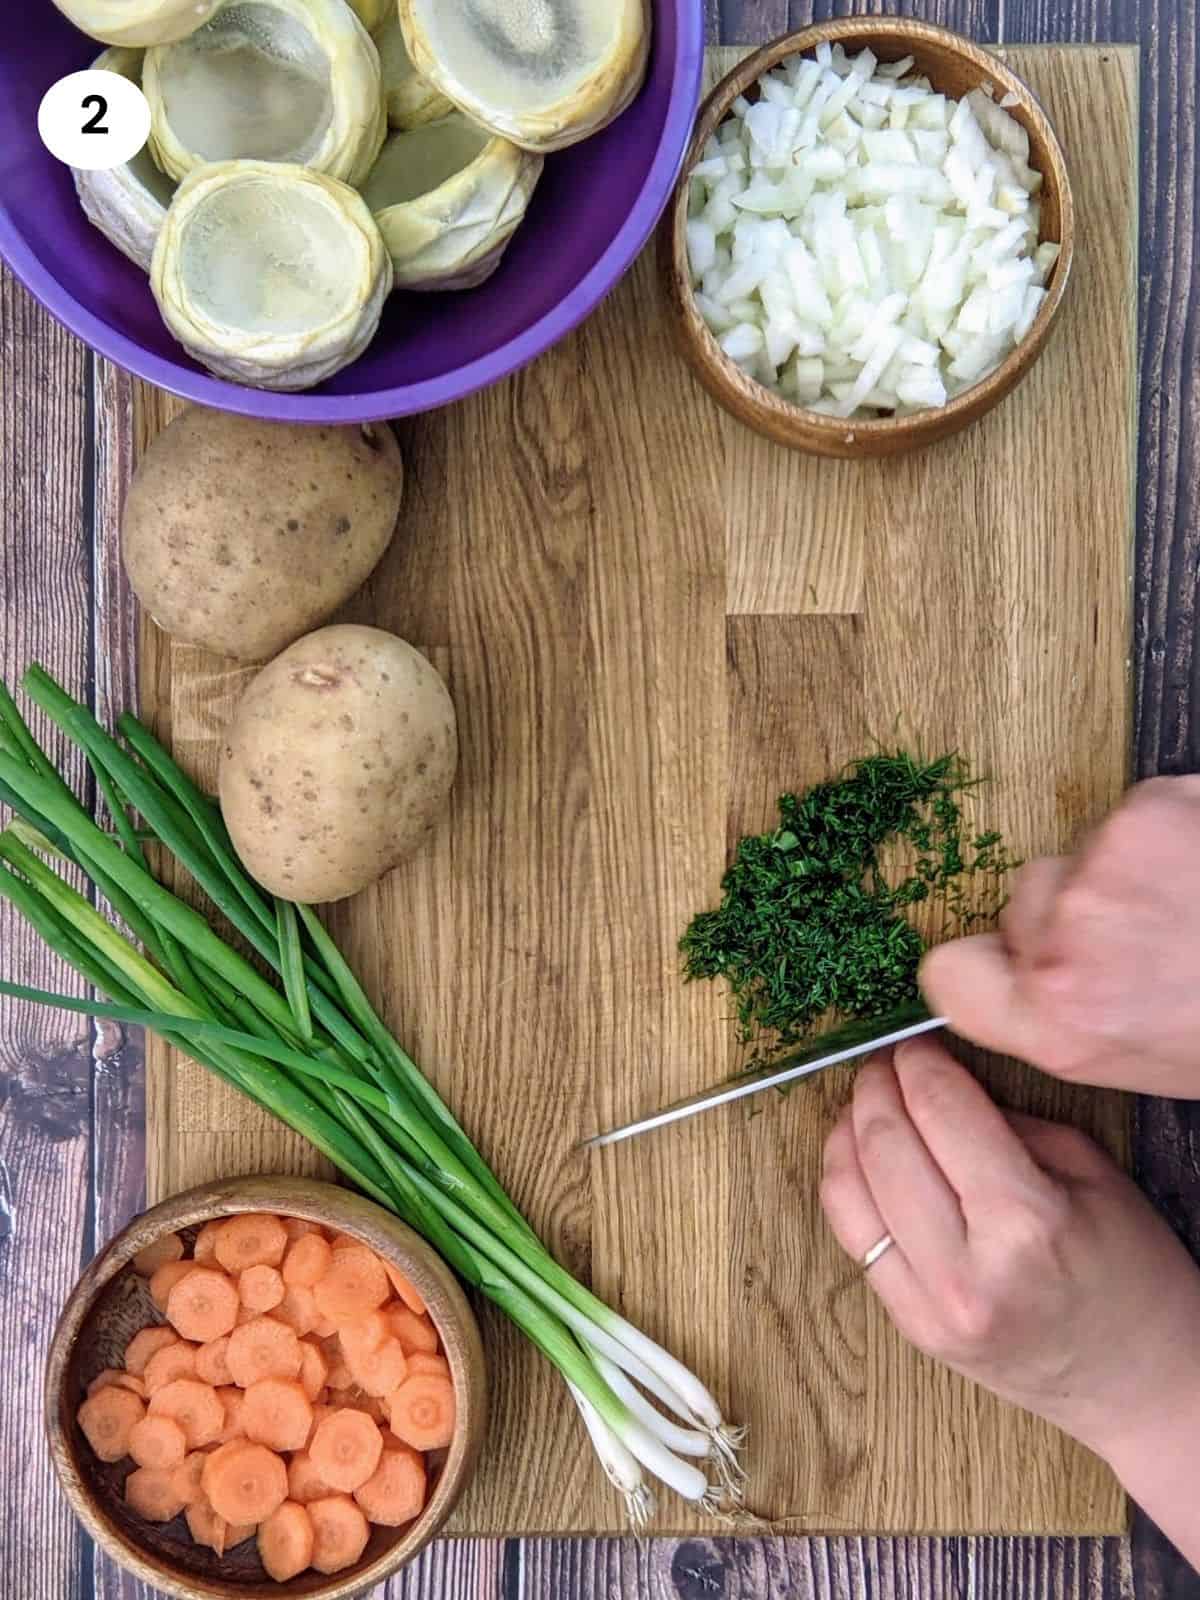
{"type": "Point", "coordinates": [306, 1043]}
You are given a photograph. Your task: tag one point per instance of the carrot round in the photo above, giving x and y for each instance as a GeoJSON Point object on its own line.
{"type": "Point", "coordinates": [157, 1442]}
{"type": "Point", "coordinates": [395, 1491]}
{"type": "Point", "coordinates": [263, 1348]}
{"type": "Point", "coordinates": [164, 1280]}
{"type": "Point", "coordinates": [260, 1287]}
{"type": "Point", "coordinates": [381, 1370]}
{"type": "Point", "coordinates": [173, 1361]}
{"type": "Point", "coordinates": [355, 1284]}
{"type": "Point", "coordinates": [305, 1482]}
{"type": "Point", "coordinates": [423, 1409]}
{"type": "Point", "coordinates": [414, 1333]}
{"type": "Point", "coordinates": [212, 1365]}
{"type": "Point", "coordinates": [285, 1541]}
{"type": "Point", "coordinates": [340, 1533]}
{"type": "Point", "coordinates": [406, 1290]}
{"type": "Point", "coordinates": [276, 1412]}
{"type": "Point", "coordinates": [195, 1406]}
{"type": "Point", "coordinates": [298, 1308]}
{"type": "Point", "coordinates": [205, 1526]}
{"type": "Point", "coordinates": [107, 1419]}
{"type": "Point", "coordinates": [432, 1366]}
{"type": "Point", "coordinates": [187, 1476]}
{"type": "Point", "coordinates": [307, 1260]}
{"type": "Point", "coordinates": [368, 1333]}
{"type": "Point", "coordinates": [156, 1254]}
{"type": "Point", "coordinates": [113, 1376]}
{"type": "Point", "coordinates": [345, 1449]}
{"type": "Point", "coordinates": [244, 1482]}
{"type": "Point", "coordinates": [143, 1345]}
{"type": "Point", "coordinates": [204, 1251]}
{"type": "Point", "coordinates": [232, 1400]}
{"type": "Point", "coordinates": [252, 1240]}
{"type": "Point", "coordinates": [340, 1376]}
{"type": "Point", "coordinates": [314, 1369]}
{"type": "Point", "coordinates": [151, 1492]}
{"type": "Point", "coordinates": [203, 1305]}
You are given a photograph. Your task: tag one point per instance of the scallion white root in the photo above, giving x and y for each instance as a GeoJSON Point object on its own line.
{"type": "Point", "coordinates": [684, 1441]}
{"type": "Point", "coordinates": [621, 1467]}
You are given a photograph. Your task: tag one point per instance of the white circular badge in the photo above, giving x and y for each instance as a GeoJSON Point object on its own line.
{"type": "Point", "coordinates": [94, 120]}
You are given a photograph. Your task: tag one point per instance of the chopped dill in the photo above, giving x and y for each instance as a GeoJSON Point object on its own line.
{"type": "Point", "coordinates": [810, 921]}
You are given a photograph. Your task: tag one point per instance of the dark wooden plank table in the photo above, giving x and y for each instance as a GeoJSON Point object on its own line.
{"type": "Point", "coordinates": [71, 1096]}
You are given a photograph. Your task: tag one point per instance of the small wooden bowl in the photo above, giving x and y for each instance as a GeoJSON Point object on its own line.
{"type": "Point", "coordinates": [110, 1302]}
{"type": "Point", "coordinates": [953, 65]}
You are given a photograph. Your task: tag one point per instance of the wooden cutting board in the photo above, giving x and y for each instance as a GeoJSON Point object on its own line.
{"type": "Point", "coordinates": [652, 622]}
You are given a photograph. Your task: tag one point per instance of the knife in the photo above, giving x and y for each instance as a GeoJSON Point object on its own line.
{"type": "Point", "coordinates": [841, 1044]}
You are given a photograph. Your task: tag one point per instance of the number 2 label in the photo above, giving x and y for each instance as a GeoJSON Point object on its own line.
{"type": "Point", "coordinates": [94, 120]}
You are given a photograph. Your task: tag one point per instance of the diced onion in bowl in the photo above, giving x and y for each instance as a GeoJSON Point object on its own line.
{"type": "Point", "coordinates": [862, 244]}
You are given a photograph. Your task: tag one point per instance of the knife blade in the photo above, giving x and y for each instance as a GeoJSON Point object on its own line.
{"type": "Point", "coordinates": [840, 1044]}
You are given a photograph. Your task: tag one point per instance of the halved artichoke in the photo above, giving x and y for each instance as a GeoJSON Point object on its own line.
{"type": "Point", "coordinates": [128, 203]}
{"type": "Point", "coordinates": [411, 101]}
{"type": "Point", "coordinates": [269, 273]}
{"type": "Point", "coordinates": [543, 73]}
{"type": "Point", "coordinates": [137, 22]}
{"type": "Point", "coordinates": [269, 80]}
{"type": "Point", "coordinates": [448, 196]}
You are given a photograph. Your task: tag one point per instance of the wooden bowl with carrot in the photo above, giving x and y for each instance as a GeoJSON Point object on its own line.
{"type": "Point", "coordinates": [266, 1386]}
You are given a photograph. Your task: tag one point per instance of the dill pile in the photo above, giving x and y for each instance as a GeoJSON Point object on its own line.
{"type": "Point", "coordinates": [810, 922]}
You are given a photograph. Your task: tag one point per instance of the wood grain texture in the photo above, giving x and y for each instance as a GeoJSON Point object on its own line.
{"type": "Point", "coordinates": [616, 728]}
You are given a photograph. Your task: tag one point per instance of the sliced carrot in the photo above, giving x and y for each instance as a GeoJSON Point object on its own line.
{"type": "Point", "coordinates": [143, 1345]}
{"type": "Point", "coordinates": [307, 1260]}
{"type": "Point", "coordinates": [345, 1241]}
{"type": "Point", "coordinates": [156, 1254]}
{"type": "Point", "coordinates": [345, 1448]}
{"type": "Point", "coordinates": [340, 1533]}
{"type": "Point", "coordinates": [232, 1400]}
{"type": "Point", "coordinates": [203, 1305]}
{"type": "Point", "coordinates": [244, 1482]}
{"type": "Point", "coordinates": [320, 1411]}
{"type": "Point", "coordinates": [395, 1492]}
{"type": "Point", "coordinates": [432, 1366]}
{"type": "Point", "coordinates": [305, 1482]}
{"type": "Point", "coordinates": [423, 1409]}
{"type": "Point", "coordinates": [314, 1369]}
{"type": "Point", "coordinates": [206, 1527]}
{"type": "Point", "coordinates": [298, 1308]}
{"type": "Point", "coordinates": [406, 1290]}
{"type": "Point", "coordinates": [298, 1227]}
{"type": "Point", "coordinates": [277, 1413]}
{"type": "Point", "coordinates": [246, 1314]}
{"type": "Point", "coordinates": [263, 1348]}
{"type": "Point", "coordinates": [107, 1419]}
{"type": "Point", "coordinates": [113, 1376]}
{"type": "Point", "coordinates": [355, 1284]}
{"type": "Point", "coordinates": [157, 1442]}
{"type": "Point", "coordinates": [195, 1406]}
{"type": "Point", "coordinates": [204, 1251]}
{"type": "Point", "coordinates": [187, 1476]}
{"type": "Point", "coordinates": [212, 1365]}
{"type": "Point", "coordinates": [255, 1239]}
{"type": "Point", "coordinates": [165, 1279]}
{"type": "Point", "coordinates": [173, 1361]}
{"type": "Point", "coordinates": [285, 1541]}
{"type": "Point", "coordinates": [339, 1376]}
{"type": "Point", "coordinates": [414, 1333]}
{"type": "Point", "coordinates": [260, 1288]}
{"type": "Point", "coordinates": [152, 1493]}
{"type": "Point", "coordinates": [368, 1333]}
{"type": "Point", "coordinates": [379, 1371]}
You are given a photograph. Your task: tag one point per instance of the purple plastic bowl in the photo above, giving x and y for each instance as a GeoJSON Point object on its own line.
{"type": "Point", "coordinates": [592, 212]}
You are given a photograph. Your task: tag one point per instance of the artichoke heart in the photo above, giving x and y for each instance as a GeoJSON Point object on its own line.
{"type": "Point", "coordinates": [127, 203]}
{"type": "Point", "coordinates": [270, 274]}
{"type": "Point", "coordinates": [448, 196]}
{"type": "Point", "coordinates": [269, 80]}
{"type": "Point", "coordinates": [410, 99]}
{"type": "Point", "coordinates": [543, 73]}
{"type": "Point", "coordinates": [137, 23]}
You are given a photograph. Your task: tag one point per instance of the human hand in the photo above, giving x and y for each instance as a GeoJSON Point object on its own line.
{"type": "Point", "coordinates": [1094, 975]}
{"type": "Point", "coordinates": [1023, 1257]}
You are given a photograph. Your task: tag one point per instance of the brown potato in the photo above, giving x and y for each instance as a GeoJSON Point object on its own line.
{"type": "Point", "coordinates": [340, 756]}
{"type": "Point", "coordinates": [242, 535]}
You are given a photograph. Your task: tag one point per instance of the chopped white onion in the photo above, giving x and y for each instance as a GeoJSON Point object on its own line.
{"type": "Point", "coordinates": [862, 243]}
